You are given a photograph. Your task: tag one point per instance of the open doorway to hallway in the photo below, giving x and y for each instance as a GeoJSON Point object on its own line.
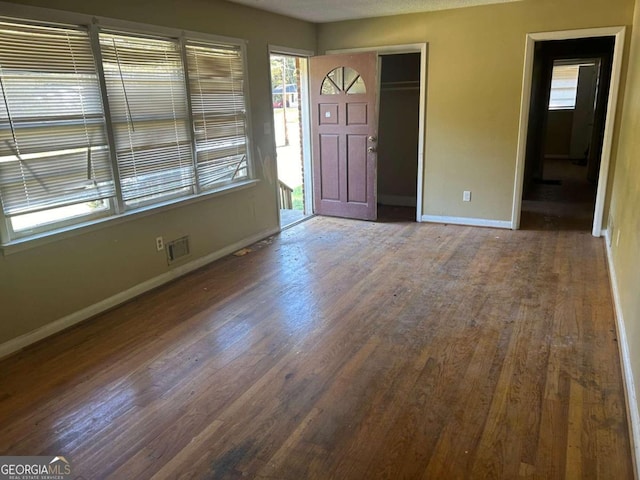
{"type": "Point", "coordinates": [570, 89]}
{"type": "Point", "coordinates": [290, 120]}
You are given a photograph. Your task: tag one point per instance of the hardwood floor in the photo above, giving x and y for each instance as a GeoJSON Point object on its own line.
{"type": "Point", "coordinates": [342, 350]}
{"type": "Point", "coordinates": [565, 202]}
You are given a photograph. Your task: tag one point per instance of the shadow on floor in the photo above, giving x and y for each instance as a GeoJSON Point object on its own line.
{"type": "Point", "coordinates": [393, 214]}
{"type": "Point", "coordinates": [565, 200]}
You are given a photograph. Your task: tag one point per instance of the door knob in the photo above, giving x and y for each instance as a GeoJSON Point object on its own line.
{"type": "Point", "coordinates": [372, 138]}
{"type": "Point", "coordinates": [371, 149]}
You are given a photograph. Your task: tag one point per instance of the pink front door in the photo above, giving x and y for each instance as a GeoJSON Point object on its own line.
{"type": "Point", "coordinates": [344, 130]}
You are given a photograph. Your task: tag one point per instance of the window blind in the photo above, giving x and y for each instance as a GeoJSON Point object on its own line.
{"type": "Point", "coordinates": [147, 97]}
{"type": "Point", "coordinates": [218, 103]}
{"type": "Point", "coordinates": [564, 86]}
{"type": "Point", "coordinates": [176, 124]}
{"type": "Point", "coordinates": [53, 146]}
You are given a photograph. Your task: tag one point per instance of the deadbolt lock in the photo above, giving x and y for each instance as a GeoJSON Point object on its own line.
{"type": "Point", "coordinates": [371, 149]}
{"type": "Point", "coordinates": [372, 138]}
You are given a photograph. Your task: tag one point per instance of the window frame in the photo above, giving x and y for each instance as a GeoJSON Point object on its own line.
{"type": "Point", "coordinates": [117, 211]}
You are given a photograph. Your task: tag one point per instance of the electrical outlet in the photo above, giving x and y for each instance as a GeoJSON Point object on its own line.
{"type": "Point", "coordinates": [159, 244]}
{"type": "Point", "coordinates": [466, 196]}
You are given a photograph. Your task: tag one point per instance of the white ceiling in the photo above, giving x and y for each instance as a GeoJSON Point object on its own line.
{"type": "Point", "coordinates": [322, 11]}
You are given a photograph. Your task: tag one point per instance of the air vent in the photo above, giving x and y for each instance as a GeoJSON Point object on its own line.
{"type": "Point", "coordinates": [177, 249]}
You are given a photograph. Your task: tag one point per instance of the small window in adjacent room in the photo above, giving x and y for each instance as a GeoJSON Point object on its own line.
{"type": "Point", "coordinates": [564, 83]}
{"type": "Point", "coordinates": [564, 86]}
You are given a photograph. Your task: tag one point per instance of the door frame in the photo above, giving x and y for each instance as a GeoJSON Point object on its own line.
{"type": "Point", "coordinates": [605, 159]}
{"type": "Point", "coordinates": [398, 49]}
{"type": "Point", "coordinates": [305, 125]}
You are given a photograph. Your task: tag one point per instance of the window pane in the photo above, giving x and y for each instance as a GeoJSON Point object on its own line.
{"type": "Point", "coordinates": [53, 147]}
{"type": "Point", "coordinates": [353, 82]}
{"type": "Point", "coordinates": [80, 211]}
{"type": "Point", "coordinates": [357, 86]}
{"type": "Point", "coordinates": [147, 98]}
{"type": "Point", "coordinates": [564, 86]}
{"type": "Point", "coordinates": [329, 88]}
{"type": "Point", "coordinates": [337, 75]}
{"type": "Point", "coordinates": [343, 79]}
{"type": "Point", "coordinates": [216, 78]}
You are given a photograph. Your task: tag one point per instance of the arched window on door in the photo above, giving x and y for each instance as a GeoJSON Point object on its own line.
{"type": "Point", "coordinates": [343, 80]}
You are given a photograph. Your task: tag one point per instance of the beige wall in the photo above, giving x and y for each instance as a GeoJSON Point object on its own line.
{"type": "Point", "coordinates": [475, 68]}
{"type": "Point", "coordinates": [44, 284]}
{"type": "Point", "coordinates": [625, 206]}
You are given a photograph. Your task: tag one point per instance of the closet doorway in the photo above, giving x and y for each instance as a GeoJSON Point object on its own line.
{"type": "Point", "coordinates": [399, 113]}
{"type": "Point", "coordinates": [402, 72]}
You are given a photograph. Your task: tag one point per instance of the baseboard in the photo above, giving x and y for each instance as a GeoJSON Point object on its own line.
{"type": "Point", "coordinates": [397, 200]}
{"type": "Point", "coordinates": [473, 222]}
{"type": "Point", "coordinates": [56, 326]}
{"type": "Point", "coordinates": [629, 384]}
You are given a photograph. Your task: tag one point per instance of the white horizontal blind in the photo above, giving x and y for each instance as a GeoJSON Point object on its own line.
{"type": "Point", "coordinates": [147, 97]}
{"type": "Point", "coordinates": [53, 146]}
{"type": "Point", "coordinates": [564, 87]}
{"type": "Point", "coordinates": [218, 103]}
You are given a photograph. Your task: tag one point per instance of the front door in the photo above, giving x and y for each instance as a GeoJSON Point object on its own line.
{"type": "Point", "coordinates": [344, 131]}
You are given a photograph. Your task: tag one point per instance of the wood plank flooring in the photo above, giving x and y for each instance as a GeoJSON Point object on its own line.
{"type": "Point", "coordinates": [342, 350]}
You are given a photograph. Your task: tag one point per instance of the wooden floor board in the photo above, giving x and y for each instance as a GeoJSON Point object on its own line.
{"type": "Point", "coordinates": [347, 350]}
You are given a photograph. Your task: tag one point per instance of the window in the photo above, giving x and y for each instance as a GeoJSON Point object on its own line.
{"type": "Point", "coordinates": [343, 79]}
{"type": "Point", "coordinates": [564, 86]}
{"type": "Point", "coordinates": [175, 124]}
{"type": "Point", "coordinates": [148, 102]}
{"type": "Point", "coordinates": [54, 156]}
{"type": "Point", "coordinates": [216, 80]}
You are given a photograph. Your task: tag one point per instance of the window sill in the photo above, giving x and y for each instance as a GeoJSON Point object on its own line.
{"type": "Point", "coordinates": [34, 241]}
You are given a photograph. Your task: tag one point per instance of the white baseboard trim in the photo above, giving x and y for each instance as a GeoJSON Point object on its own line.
{"type": "Point", "coordinates": [627, 372]}
{"type": "Point", "coordinates": [473, 222]}
{"type": "Point", "coordinates": [397, 200]}
{"type": "Point", "coordinates": [56, 326]}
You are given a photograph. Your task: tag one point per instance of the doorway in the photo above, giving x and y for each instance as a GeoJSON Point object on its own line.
{"type": "Point", "coordinates": [571, 81]}
{"type": "Point", "coordinates": [399, 111]}
{"type": "Point", "coordinates": [402, 72]}
{"type": "Point", "coordinates": [289, 96]}
{"type": "Point", "coordinates": [551, 164]}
